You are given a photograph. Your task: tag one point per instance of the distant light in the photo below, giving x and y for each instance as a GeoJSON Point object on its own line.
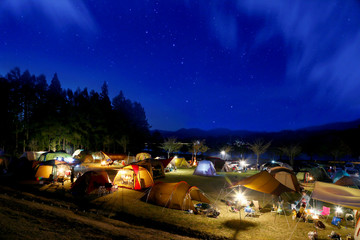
{"type": "Point", "coordinates": [272, 161]}
{"type": "Point", "coordinates": [222, 152]}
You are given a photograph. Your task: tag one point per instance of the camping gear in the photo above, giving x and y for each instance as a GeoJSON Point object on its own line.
{"type": "Point", "coordinates": [325, 212]}
{"type": "Point", "coordinates": [286, 176]}
{"type": "Point", "coordinates": [133, 177]}
{"type": "Point", "coordinates": [319, 225]}
{"type": "Point", "coordinates": [334, 236]}
{"type": "Point", "coordinates": [91, 181]}
{"type": "Point", "coordinates": [313, 235]}
{"type": "Point", "coordinates": [205, 168]}
{"type": "Point", "coordinates": [264, 182]}
{"type": "Point", "coordinates": [336, 221]}
{"type": "Point", "coordinates": [178, 195]}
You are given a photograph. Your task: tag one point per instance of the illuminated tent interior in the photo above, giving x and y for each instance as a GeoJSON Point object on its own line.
{"type": "Point", "coordinates": [133, 177]}
{"type": "Point", "coordinates": [205, 168]}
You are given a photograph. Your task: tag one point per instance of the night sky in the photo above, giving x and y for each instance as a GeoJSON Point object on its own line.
{"type": "Point", "coordinates": [246, 64]}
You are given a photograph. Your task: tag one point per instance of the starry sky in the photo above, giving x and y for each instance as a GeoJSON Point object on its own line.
{"type": "Point", "coordinates": [246, 64]}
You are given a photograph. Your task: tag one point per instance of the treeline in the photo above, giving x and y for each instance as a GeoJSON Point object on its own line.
{"type": "Point", "coordinates": [38, 116]}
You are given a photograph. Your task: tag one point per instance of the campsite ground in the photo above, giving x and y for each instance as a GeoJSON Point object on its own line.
{"type": "Point", "coordinates": [126, 205]}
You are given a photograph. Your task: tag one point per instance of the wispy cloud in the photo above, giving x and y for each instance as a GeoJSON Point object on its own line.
{"type": "Point", "coordinates": [60, 13]}
{"type": "Point", "coordinates": [322, 39]}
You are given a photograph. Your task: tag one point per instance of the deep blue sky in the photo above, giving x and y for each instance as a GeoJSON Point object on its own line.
{"type": "Point", "coordinates": [246, 64]}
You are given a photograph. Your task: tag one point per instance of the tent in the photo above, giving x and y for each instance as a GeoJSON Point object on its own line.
{"type": "Point", "coordinates": [32, 155]}
{"type": "Point", "coordinates": [339, 174]}
{"type": "Point", "coordinates": [142, 156]}
{"type": "Point", "coordinates": [178, 195]}
{"type": "Point", "coordinates": [272, 164]}
{"type": "Point", "coordinates": [155, 167]}
{"type": "Point", "coordinates": [52, 170]}
{"type": "Point", "coordinates": [264, 182]}
{"type": "Point", "coordinates": [60, 156]}
{"type": "Point", "coordinates": [205, 168]}
{"type": "Point", "coordinates": [348, 182]}
{"type": "Point", "coordinates": [90, 181]}
{"type": "Point", "coordinates": [180, 162]}
{"type": "Point", "coordinates": [313, 174]}
{"type": "Point", "coordinates": [338, 195]}
{"type": "Point", "coordinates": [286, 176]}
{"type": "Point", "coordinates": [134, 177]}
{"type": "Point", "coordinates": [227, 167]}
{"type": "Point", "coordinates": [218, 162]}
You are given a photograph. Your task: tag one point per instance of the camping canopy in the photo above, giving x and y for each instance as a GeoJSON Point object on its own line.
{"type": "Point", "coordinates": [286, 176]}
{"type": "Point", "coordinates": [205, 168]}
{"type": "Point", "coordinates": [264, 182]}
{"type": "Point", "coordinates": [338, 195]}
{"type": "Point", "coordinates": [155, 167]}
{"type": "Point", "coordinates": [176, 195]}
{"type": "Point", "coordinates": [60, 156]}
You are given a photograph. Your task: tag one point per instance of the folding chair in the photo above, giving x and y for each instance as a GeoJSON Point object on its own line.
{"type": "Point", "coordinates": [325, 212]}
{"type": "Point", "coordinates": [249, 212]}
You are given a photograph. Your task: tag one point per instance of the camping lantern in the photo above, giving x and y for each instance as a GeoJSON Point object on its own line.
{"type": "Point", "coordinates": [240, 198]}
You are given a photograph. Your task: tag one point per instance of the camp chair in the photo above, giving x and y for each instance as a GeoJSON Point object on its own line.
{"type": "Point", "coordinates": [257, 207]}
{"type": "Point", "coordinates": [325, 212]}
{"type": "Point", "coordinates": [249, 212]}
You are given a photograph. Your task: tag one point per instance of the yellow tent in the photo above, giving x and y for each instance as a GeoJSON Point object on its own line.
{"type": "Point", "coordinates": [180, 162]}
{"type": "Point", "coordinates": [264, 182]}
{"type": "Point", "coordinates": [176, 195]}
{"type": "Point", "coordinates": [134, 177]}
{"type": "Point", "coordinates": [142, 156]}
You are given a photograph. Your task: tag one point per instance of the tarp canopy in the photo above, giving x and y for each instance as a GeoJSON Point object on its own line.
{"type": "Point", "coordinates": [338, 195]}
{"type": "Point", "coordinates": [264, 182]}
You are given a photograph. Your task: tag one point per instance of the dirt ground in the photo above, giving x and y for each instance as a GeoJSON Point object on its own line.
{"type": "Point", "coordinates": [25, 216]}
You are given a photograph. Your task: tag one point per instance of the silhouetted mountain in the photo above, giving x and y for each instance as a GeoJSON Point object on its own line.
{"type": "Point", "coordinates": [196, 133]}
{"type": "Point", "coordinates": [334, 126]}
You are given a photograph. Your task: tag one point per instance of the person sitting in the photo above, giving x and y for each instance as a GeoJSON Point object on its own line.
{"type": "Point", "coordinates": [302, 213]}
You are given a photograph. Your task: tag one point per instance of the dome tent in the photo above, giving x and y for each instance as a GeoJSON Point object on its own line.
{"type": "Point", "coordinates": [285, 176]}
{"type": "Point", "coordinates": [205, 168]}
{"type": "Point", "coordinates": [178, 195]}
{"type": "Point", "coordinates": [133, 177]}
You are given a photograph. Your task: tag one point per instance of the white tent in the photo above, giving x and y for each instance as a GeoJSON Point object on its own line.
{"type": "Point", "coordinates": [205, 168]}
